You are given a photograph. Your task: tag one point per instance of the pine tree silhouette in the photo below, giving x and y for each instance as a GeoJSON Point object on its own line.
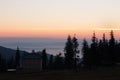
{"type": "Point", "coordinates": [69, 53]}
{"type": "Point", "coordinates": [94, 51]}
{"type": "Point", "coordinates": [75, 50]}
{"type": "Point", "coordinates": [86, 53]}
{"type": "Point", "coordinates": [112, 49]}
{"type": "Point", "coordinates": [44, 59]}
{"type": "Point", "coordinates": [17, 58]}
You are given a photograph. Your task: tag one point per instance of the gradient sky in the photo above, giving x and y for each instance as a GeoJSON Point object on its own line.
{"type": "Point", "coordinates": [58, 18]}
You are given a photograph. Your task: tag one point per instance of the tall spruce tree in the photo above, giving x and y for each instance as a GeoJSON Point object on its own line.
{"type": "Point", "coordinates": [100, 52]}
{"type": "Point", "coordinates": [93, 51]}
{"type": "Point", "coordinates": [86, 55]}
{"type": "Point", "coordinates": [75, 49]}
{"type": "Point", "coordinates": [17, 58]}
{"type": "Point", "coordinates": [44, 59]}
{"type": "Point", "coordinates": [105, 50]}
{"type": "Point", "coordinates": [112, 49]}
{"type": "Point", "coordinates": [69, 53]}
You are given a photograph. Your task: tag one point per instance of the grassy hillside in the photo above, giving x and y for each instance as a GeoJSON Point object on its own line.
{"type": "Point", "coordinates": [99, 74]}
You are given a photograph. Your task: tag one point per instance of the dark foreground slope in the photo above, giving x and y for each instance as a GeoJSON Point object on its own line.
{"type": "Point", "coordinates": [99, 74]}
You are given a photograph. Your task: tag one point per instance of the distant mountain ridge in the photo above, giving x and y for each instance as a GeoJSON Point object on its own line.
{"type": "Point", "coordinates": [7, 53]}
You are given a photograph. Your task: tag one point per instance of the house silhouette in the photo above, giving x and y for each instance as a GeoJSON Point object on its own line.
{"type": "Point", "coordinates": [31, 62]}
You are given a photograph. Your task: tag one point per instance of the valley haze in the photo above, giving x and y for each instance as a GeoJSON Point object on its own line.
{"type": "Point", "coordinates": [52, 45]}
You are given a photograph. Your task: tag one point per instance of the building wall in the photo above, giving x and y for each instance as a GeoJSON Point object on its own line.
{"type": "Point", "coordinates": [32, 65]}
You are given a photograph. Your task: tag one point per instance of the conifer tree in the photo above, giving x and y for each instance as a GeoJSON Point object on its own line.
{"type": "Point", "coordinates": [100, 52]}
{"type": "Point", "coordinates": [69, 53]}
{"type": "Point", "coordinates": [44, 59]}
{"type": "Point", "coordinates": [86, 53]}
{"type": "Point", "coordinates": [93, 51]}
{"type": "Point", "coordinates": [75, 49]}
{"type": "Point", "coordinates": [105, 50]}
{"type": "Point", "coordinates": [17, 58]}
{"type": "Point", "coordinates": [112, 48]}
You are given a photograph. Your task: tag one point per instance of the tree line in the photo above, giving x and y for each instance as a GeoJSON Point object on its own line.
{"type": "Point", "coordinates": [99, 53]}
{"type": "Point", "coordinates": [69, 61]}
{"type": "Point", "coordinates": [103, 52]}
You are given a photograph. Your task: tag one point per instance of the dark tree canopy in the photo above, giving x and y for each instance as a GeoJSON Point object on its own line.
{"type": "Point", "coordinates": [112, 48]}
{"type": "Point", "coordinates": [101, 53]}
{"type": "Point", "coordinates": [71, 50]}
{"type": "Point", "coordinates": [69, 53]}
{"type": "Point", "coordinates": [85, 51]}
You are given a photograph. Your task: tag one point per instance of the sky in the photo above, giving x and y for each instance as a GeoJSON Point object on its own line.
{"type": "Point", "coordinates": [58, 18]}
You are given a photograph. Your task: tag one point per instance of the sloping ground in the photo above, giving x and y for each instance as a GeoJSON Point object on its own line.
{"type": "Point", "coordinates": [99, 74]}
{"type": "Point", "coordinates": [7, 53]}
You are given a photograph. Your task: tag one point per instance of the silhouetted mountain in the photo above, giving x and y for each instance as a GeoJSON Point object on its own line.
{"type": "Point", "coordinates": [7, 53]}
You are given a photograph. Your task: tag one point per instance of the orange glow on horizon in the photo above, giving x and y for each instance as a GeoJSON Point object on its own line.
{"type": "Point", "coordinates": [59, 18]}
{"type": "Point", "coordinates": [43, 31]}
{"type": "Point", "coordinates": [54, 32]}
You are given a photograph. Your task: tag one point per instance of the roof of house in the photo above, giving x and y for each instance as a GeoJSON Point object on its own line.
{"type": "Point", "coordinates": [31, 56]}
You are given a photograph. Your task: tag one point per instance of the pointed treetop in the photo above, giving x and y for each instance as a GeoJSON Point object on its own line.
{"type": "Point", "coordinates": [94, 34]}
{"type": "Point", "coordinates": [74, 35]}
{"type": "Point", "coordinates": [104, 37]}
{"type": "Point", "coordinates": [33, 51]}
{"type": "Point", "coordinates": [17, 48]}
{"type": "Point", "coordinates": [94, 37]}
{"type": "Point", "coordinates": [74, 38]}
{"type": "Point", "coordinates": [112, 34]}
{"type": "Point", "coordinates": [103, 34]}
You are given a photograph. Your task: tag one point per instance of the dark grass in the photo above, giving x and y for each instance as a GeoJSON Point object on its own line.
{"type": "Point", "coordinates": [84, 74]}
